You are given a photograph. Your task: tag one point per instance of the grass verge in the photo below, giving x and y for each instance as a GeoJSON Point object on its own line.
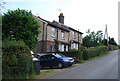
{"type": "Point", "coordinates": [42, 74]}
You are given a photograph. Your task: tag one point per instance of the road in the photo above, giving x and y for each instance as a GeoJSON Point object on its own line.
{"type": "Point", "coordinates": [105, 67]}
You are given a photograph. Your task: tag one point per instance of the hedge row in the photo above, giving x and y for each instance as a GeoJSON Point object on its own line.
{"type": "Point", "coordinates": [16, 60]}
{"type": "Point", "coordinates": [85, 53]}
{"type": "Point", "coordinates": [92, 52]}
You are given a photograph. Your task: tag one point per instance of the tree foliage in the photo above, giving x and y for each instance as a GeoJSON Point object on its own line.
{"type": "Point", "coordinates": [92, 39]}
{"type": "Point", "coordinates": [16, 60]}
{"type": "Point", "coordinates": [21, 25]}
{"type": "Point", "coordinates": [112, 41]}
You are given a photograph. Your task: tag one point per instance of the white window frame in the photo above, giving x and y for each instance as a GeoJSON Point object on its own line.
{"type": "Point", "coordinates": [74, 46]}
{"type": "Point", "coordinates": [74, 34]}
{"type": "Point", "coordinates": [62, 34]}
{"type": "Point", "coordinates": [53, 30]}
{"type": "Point", "coordinates": [62, 47]}
{"type": "Point", "coordinates": [66, 47]}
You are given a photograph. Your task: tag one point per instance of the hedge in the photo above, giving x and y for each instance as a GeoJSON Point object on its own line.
{"type": "Point", "coordinates": [70, 53]}
{"type": "Point", "coordinates": [85, 53]}
{"type": "Point", "coordinates": [76, 54]}
{"type": "Point", "coordinates": [16, 60]}
{"type": "Point", "coordinates": [92, 52]}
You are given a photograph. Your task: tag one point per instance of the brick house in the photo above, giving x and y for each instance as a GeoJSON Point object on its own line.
{"type": "Point", "coordinates": [55, 36]}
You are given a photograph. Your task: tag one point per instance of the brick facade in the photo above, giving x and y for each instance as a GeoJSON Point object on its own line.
{"type": "Point", "coordinates": [51, 31]}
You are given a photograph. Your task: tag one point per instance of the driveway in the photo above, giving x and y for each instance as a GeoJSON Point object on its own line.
{"type": "Point", "coordinates": [105, 67]}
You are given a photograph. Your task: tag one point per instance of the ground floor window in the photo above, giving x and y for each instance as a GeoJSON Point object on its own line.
{"type": "Point", "coordinates": [74, 46]}
{"type": "Point", "coordinates": [63, 47]}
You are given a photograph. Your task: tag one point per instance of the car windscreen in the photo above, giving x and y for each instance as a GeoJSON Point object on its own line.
{"type": "Point", "coordinates": [59, 55]}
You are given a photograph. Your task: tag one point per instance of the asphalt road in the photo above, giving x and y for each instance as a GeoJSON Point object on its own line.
{"type": "Point", "coordinates": [105, 67]}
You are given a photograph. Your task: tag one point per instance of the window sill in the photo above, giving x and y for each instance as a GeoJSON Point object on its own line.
{"type": "Point", "coordinates": [63, 39]}
{"type": "Point", "coordinates": [52, 36]}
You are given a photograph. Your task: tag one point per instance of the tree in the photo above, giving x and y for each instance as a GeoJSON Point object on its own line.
{"type": "Point", "coordinates": [21, 25]}
{"type": "Point", "coordinates": [112, 41]}
{"type": "Point", "coordinates": [104, 42]}
{"type": "Point", "coordinates": [92, 39]}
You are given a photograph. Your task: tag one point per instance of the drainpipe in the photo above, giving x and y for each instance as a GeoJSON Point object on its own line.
{"type": "Point", "coordinates": [43, 37]}
{"type": "Point", "coordinates": [46, 38]}
{"type": "Point", "coordinates": [69, 46]}
{"type": "Point", "coordinates": [57, 40]}
{"type": "Point", "coordinates": [78, 39]}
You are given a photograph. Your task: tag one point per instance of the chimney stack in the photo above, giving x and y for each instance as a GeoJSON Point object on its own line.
{"type": "Point", "coordinates": [61, 18]}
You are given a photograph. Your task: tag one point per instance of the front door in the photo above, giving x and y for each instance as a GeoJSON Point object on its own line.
{"type": "Point", "coordinates": [51, 48]}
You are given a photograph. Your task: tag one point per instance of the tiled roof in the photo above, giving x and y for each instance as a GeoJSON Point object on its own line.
{"type": "Point", "coordinates": [59, 25]}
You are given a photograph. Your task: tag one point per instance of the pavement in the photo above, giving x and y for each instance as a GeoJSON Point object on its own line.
{"type": "Point", "coordinates": [105, 67]}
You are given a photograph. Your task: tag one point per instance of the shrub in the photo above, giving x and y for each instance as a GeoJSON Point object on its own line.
{"type": "Point", "coordinates": [84, 53]}
{"type": "Point", "coordinates": [16, 59]}
{"type": "Point", "coordinates": [76, 54]}
{"type": "Point", "coordinates": [93, 51]}
{"type": "Point", "coordinates": [119, 46]}
{"type": "Point", "coordinates": [70, 53]}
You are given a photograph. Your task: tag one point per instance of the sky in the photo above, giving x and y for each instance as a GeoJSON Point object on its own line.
{"type": "Point", "coordinates": [78, 14]}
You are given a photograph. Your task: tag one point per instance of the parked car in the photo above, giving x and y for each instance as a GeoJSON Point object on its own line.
{"type": "Point", "coordinates": [55, 60]}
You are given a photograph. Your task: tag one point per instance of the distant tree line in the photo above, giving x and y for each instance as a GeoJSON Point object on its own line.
{"type": "Point", "coordinates": [93, 39]}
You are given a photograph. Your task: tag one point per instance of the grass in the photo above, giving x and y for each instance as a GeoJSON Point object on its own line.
{"type": "Point", "coordinates": [42, 74]}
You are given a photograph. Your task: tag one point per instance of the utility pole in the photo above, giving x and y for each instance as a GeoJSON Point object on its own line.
{"type": "Point", "coordinates": [106, 35]}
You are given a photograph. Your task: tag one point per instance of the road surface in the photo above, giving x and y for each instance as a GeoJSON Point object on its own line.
{"type": "Point", "coordinates": [105, 67]}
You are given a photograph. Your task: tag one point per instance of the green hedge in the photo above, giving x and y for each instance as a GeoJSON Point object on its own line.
{"type": "Point", "coordinates": [92, 52]}
{"type": "Point", "coordinates": [16, 60]}
{"type": "Point", "coordinates": [85, 53]}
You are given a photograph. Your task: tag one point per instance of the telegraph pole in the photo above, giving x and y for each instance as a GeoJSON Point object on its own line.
{"type": "Point", "coordinates": [106, 35]}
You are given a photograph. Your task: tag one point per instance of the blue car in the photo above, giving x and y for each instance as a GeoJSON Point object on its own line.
{"type": "Point", "coordinates": [55, 60]}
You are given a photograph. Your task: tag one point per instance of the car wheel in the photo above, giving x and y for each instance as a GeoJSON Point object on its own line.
{"type": "Point", "coordinates": [60, 65]}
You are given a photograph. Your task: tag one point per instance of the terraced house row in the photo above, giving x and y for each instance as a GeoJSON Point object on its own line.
{"type": "Point", "coordinates": [55, 36]}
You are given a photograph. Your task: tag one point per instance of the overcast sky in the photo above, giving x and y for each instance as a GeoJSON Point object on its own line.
{"type": "Point", "coordinates": [79, 14]}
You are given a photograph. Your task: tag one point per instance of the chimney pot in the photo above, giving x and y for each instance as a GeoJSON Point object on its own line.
{"type": "Point", "coordinates": [61, 18]}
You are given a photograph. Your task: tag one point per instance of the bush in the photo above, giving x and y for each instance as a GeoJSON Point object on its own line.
{"type": "Point", "coordinates": [84, 53]}
{"type": "Point", "coordinates": [16, 59]}
{"type": "Point", "coordinates": [92, 52]}
{"type": "Point", "coordinates": [70, 53]}
{"type": "Point", "coordinates": [119, 46]}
